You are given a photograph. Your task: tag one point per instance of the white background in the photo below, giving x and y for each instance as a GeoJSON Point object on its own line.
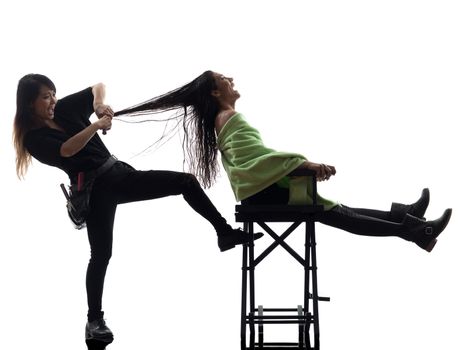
{"type": "Point", "coordinates": [376, 88]}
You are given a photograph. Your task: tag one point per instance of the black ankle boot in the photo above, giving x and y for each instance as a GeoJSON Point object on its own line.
{"type": "Point", "coordinates": [425, 233]}
{"type": "Point", "coordinates": [97, 330]}
{"type": "Point", "coordinates": [417, 209]}
{"type": "Point", "coordinates": [229, 238]}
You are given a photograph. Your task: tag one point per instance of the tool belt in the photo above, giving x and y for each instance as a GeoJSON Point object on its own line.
{"type": "Point", "coordinates": [79, 193]}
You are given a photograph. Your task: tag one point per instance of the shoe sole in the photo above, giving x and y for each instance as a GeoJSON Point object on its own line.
{"type": "Point", "coordinates": [223, 249]}
{"type": "Point", "coordinates": [431, 245]}
{"type": "Point", "coordinates": [94, 344]}
{"type": "Point", "coordinates": [104, 339]}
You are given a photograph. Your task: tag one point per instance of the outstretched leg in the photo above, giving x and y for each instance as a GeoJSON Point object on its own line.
{"type": "Point", "coordinates": [354, 221]}
{"type": "Point", "coordinates": [151, 184]}
{"type": "Point", "coordinates": [398, 211]}
{"type": "Point", "coordinates": [423, 233]}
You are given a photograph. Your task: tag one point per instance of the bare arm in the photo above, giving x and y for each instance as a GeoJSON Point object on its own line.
{"type": "Point", "coordinates": [76, 143]}
{"type": "Point", "coordinates": [101, 109]}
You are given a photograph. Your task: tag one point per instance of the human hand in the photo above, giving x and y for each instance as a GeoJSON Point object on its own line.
{"type": "Point", "coordinates": [104, 123]}
{"type": "Point", "coordinates": [102, 110]}
{"type": "Point", "coordinates": [323, 171]}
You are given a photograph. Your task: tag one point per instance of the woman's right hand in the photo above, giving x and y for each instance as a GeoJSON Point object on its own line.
{"type": "Point", "coordinates": [322, 171]}
{"type": "Point", "coordinates": [104, 123]}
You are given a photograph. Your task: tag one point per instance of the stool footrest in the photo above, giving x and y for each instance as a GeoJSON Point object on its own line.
{"type": "Point", "coordinates": [266, 309]}
{"type": "Point", "coordinates": [260, 318]}
{"type": "Point", "coordinates": [279, 346]}
{"type": "Point", "coordinates": [280, 321]}
{"type": "Point", "coordinates": [319, 298]}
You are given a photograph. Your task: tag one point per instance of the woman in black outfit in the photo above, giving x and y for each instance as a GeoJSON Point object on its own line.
{"type": "Point", "coordinates": [59, 133]}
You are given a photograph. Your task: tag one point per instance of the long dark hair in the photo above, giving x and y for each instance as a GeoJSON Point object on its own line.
{"type": "Point", "coordinates": [28, 90]}
{"type": "Point", "coordinates": [199, 109]}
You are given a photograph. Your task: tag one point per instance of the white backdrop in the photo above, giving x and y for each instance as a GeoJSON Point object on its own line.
{"type": "Point", "coordinates": [376, 88]}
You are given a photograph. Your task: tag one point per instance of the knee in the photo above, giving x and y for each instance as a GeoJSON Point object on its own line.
{"type": "Point", "coordinates": [189, 181]}
{"type": "Point", "coordinates": [101, 256]}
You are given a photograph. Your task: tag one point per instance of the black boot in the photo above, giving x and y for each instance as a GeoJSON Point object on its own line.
{"type": "Point", "coordinates": [229, 238]}
{"type": "Point", "coordinates": [417, 209]}
{"type": "Point", "coordinates": [425, 233]}
{"type": "Point", "coordinates": [98, 331]}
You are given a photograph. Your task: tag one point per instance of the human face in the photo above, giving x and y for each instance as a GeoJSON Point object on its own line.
{"type": "Point", "coordinates": [44, 104]}
{"type": "Point", "coordinates": [225, 91]}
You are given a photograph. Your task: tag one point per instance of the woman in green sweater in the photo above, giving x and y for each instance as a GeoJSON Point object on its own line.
{"type": "Point", "coordinates": [259, 175]}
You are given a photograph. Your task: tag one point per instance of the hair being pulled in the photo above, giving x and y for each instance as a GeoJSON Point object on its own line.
{"type": "Point", "coordinates": [198, 109]}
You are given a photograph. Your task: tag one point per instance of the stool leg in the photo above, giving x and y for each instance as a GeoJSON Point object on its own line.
{"type": "Point", "coordinates": [260, 327]}
{"type": "Point", "coordinates": [244, 293]}
{"type": "Point", "coordinates": [300, 313]}
{"type": "Point", "coordinates": [307, 271]}
{"type": "Point", "coordinates": [252, 285]}
{"type": "Point", "coordinates": [315, 299]}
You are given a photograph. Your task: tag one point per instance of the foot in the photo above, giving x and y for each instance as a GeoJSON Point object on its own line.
{"type": "Point", "coordinates": [425, 233]}
{"type": "Point", "coordinates": [419, 207]}
{"type": "Point", "coordinates": [97, 330]}
{"type": "Point", "coordinates": [231, 238]}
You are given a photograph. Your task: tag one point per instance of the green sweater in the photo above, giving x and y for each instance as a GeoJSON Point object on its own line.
{"type": "Point", "coordinates": [252, 167]}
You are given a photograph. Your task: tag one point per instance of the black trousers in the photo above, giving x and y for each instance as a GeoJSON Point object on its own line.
{"type": "Point", "coordinates": [360, 221]}
{"type": "Point", "coordinates": [123, 184]}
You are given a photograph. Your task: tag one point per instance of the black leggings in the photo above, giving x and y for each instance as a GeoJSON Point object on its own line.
{"type": "Point", "coordinates": [123, 184]}
{"type": "Point", "coordinates": [360, 221]}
